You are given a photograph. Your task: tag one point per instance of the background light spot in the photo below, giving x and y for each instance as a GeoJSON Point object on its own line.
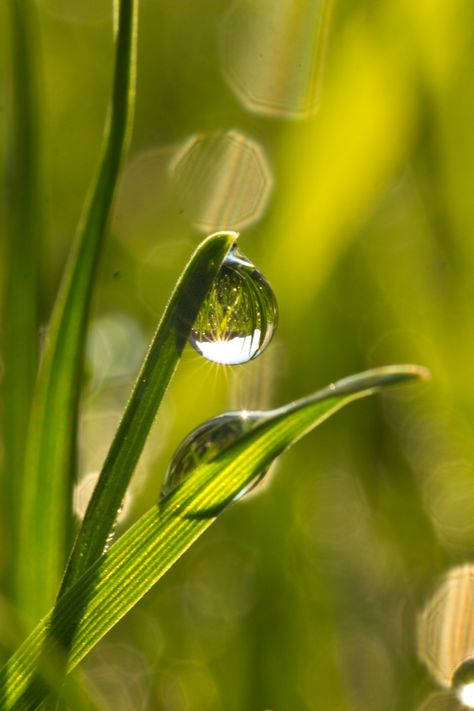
{"type": "Point", "coordinates": [222, 180]}
{"type": "Point", "coordinates": [446, 625]}
{"type": "Point", "coordinates": [273, 54]}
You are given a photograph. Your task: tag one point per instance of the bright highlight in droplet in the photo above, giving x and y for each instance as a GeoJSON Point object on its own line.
{"type": "Point", "coordinates": [466, 695]}
{"type": "Point", "coordinates": [463, 683]}
{"type": "Point", "coordinates": [232, 351]}
{"type": "Point", "coordinates": [238, 318]}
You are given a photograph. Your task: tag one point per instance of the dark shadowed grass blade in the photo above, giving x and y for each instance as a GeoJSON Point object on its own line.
{"type": "Point", "coordinates": [120, 577]}
{"type": "Point", "coordinates": [50, 456]}
{"type": "Point", "coordinates": [23, 241]}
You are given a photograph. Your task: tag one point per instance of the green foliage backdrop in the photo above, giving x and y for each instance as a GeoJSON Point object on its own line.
{"type": "Point", "coordinates": [308, 594]}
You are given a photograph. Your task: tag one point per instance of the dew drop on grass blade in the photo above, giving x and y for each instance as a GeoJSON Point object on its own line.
{"type": "Point", "coordinates": [239, 316]}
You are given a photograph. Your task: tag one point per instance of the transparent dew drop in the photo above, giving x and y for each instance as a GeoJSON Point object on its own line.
{"type": "Point", "coordinates": [239, 316]}
{"type": "Point", "coordinates": [463, 683]}
{"type": "Point", "coordinates": [202, 446]}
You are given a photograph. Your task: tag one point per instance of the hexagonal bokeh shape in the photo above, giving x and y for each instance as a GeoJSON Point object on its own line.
{"type": "Point", "coordinates": [273, 54]}
{"type": "Point", "coordinates": [222, 180]}
{"type": "Point", "coordinates": [446, 625]}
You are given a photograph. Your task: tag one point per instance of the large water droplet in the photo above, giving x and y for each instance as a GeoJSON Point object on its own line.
{"type": "Point", "coordinates": [202, 446]}
{"type": "Point", "coordinates": [238, 318]}
{"type": "Point", "coordinates": [463, 683]}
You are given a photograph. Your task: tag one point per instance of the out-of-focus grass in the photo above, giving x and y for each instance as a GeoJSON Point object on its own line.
{"type": "Point", "coordinates": [367, 242]}
{"type": "Point", "coordinates": [95, 597]}
{"type": "Point", "coordinates": [23, 228]}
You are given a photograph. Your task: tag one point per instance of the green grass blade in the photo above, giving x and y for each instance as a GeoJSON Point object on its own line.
{"type": "Point", "coordinates": [120, 577]}
{"type": "Point", "coordinates": [153, 379]}
{"type": "Point", "coordinates": [50, 457]}
{"type": "Point", "coordinates": [24, 236]}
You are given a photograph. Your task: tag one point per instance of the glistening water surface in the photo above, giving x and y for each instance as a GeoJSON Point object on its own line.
{"type": "Point", "coordinates": [238, 318]}
{"type": "Point", "coordinates": [207, 442]}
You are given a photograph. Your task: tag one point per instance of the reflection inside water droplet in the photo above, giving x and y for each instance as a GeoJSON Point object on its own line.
{"type": "Point", "coordinates": [463, 683]}
{"type": "Point", "coordinates": [239, 316]}
{"type": "Point", "coordinates": [202, 446]}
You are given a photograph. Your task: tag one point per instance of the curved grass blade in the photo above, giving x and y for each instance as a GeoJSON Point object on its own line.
{"type": "Point", "coordinates": [157, 370]}
{"type": "Point", "coordinates": [120, 577]}
{"type": "Point", "coordinates": [23, 241]}
{"type": "Point", "coordinates": [50, 456]}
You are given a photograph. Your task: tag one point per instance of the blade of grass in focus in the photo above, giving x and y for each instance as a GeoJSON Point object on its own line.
{"type": "Point", "coordinates": [24, 236]}
{"type": "Point", "coordinates": [156, 372]}
{"type": "Point", "coordinates": [50, 457]}
{"type": "Point", "coordinates": [120, 577]}
{"type": "Point", "coordinates": [153, 379]}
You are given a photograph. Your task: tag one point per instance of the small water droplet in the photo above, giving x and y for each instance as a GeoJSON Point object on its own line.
{"type": "Point", "coordinates": [202, 446]}
{"type": "Point", "coordinates": [110, 538]}
{"type": "Point", "coordinates": [239, 316]}
{"type": "Point", "coordinates": [463, 683]}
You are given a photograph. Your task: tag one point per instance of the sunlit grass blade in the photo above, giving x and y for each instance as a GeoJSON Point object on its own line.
{"type": "Point", "coordinates": [153, 379]}
{"type": "Point", "coordinates": [120, 577]}
{"type": "Point", "coordinates": [23, 242]}
{"type": "Point", "coordinates": [50, 457]}
{"type": "Point", "coordinates": [156, 372]}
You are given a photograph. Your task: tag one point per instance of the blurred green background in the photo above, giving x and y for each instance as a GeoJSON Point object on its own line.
{"type": "Point", "coordinates": [338, 139]}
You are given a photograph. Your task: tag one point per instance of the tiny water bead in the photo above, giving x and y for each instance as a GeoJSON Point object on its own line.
{"type": "Point", "coordinates": [204, 444]}
{"type": "Point", "coordinates": [463, 683]}
{"type": "Point", "coordinates": [239, 316]}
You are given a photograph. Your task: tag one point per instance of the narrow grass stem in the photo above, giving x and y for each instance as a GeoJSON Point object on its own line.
{"type": "Point", "coordinates": [50, 458]}
{"type": "Point", "coordinates": [23, 242]}
{"type": "Point", "coordinates": [157, 370]}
